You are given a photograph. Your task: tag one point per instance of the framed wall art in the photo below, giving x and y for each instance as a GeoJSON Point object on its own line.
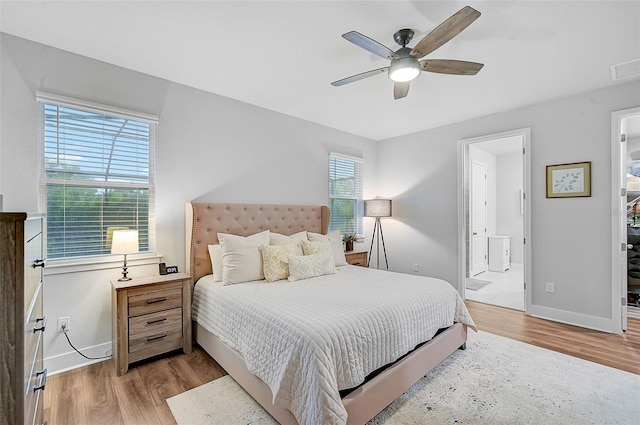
{"type": "Point", "coordinates": [569, 180]}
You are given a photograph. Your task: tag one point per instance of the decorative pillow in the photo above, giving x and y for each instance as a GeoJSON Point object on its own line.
{"type": "Point", "coordinates": [279, 239]}
{"type": "Point", "coordinates": [307, 266]}
{"type": "Point", "coordinates": [315, 247]}
{"type": "Point", "coordinates": [215, 252]}
{"type": "Point", "coordinates": [241, 260]}
{"type": "Point", "coordinates": [275, 260]}
{"type": "Point", "coordinates": [335, 241]}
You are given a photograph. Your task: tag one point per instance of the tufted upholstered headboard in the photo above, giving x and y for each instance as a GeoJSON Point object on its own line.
{"type": "Point", "coordinates": [205, 220]}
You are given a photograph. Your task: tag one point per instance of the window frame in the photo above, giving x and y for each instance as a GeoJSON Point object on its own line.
{"type": "Point", "coordinates": [97, 261]}
{"type": "Point", "coordinates": [358, 198]}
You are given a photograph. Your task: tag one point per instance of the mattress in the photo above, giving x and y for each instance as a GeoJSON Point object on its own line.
{"type": "Point", "coordinates": [309, 339]}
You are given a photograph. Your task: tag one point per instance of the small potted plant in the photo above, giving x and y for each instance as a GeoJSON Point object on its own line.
{"type": "Point", "coordinates": [349, 239]}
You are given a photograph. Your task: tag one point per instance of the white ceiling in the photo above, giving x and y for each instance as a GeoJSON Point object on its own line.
{"type": "Point", "coordinates": [282, 55]}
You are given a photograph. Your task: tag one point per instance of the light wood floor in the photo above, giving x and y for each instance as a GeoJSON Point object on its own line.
{"type": "Point", "coordinates": [618, 351]}
{"type": "Point", "coordinates": [95, 395]}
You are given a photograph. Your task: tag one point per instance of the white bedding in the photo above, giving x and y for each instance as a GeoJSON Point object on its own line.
{"type": "Point", "coordinates": [311, 338]}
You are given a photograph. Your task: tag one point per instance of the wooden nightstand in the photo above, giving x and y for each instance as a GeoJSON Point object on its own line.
{"type": "Point", "coordinates": [357, 258]}
{"type": "Point", "coordinates": [151, 316]}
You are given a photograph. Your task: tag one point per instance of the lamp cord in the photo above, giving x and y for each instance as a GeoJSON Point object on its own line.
{"type": "Point", "coordinates": [64, 331]}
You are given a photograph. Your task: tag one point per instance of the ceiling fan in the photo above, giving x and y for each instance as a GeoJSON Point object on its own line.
{"type": "Point", "coordinates": [404, 65]}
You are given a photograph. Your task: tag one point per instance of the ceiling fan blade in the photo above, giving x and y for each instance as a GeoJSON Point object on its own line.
{"type": "Point", "coordinates": [445, 31]}
{"type": "Point", "coordinates": [445, 66]}
{"type": "Point", "coordinates": [370, 45]}
{"type": "Point", "coordinates": [358, 77]}
{"type": "Point", "coordinates": [400, 90]}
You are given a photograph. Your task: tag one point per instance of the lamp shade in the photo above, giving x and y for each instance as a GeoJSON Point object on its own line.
{"type": "Point", "coordinates": [377, 208]}
{"type": "Point", "coordinates": [124, 242]}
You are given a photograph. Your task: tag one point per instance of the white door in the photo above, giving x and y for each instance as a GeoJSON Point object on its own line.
{"type": "Point", "coordinates": [478, 214]}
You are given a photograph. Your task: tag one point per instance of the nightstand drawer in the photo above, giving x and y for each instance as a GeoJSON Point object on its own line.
{"type": "Point", "coordinates": [356, 258]}
{"type": "Point", "coordinates": [160, 338]}
{"type": "Point", "coordinates": [150, 323]}
{"type": "Point", "coordinates": [152, 301]}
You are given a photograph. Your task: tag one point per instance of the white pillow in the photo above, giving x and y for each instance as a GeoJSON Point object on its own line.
{"type": "Point", "coordinates": [308, 266]}
{"type": "Point", "coordinates": [275, 260]}
{"type": "Point", "coordinates": [279, 239]}
{"type": "Point", "coordinates": [241, 259]}
{"type": "Point", "coordinates": [335, 241]}
{"type": "Point", "coordinates": [215, 252]}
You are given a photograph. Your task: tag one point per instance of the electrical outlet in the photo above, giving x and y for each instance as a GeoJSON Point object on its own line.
{"type": "Point", "coordinates": [551, 287]}
{"type": "Point", "coordinates": [64, 324]}
{"type": "Point", "coordinates": [416, 267]}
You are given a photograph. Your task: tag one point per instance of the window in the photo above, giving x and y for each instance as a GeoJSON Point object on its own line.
{"type": "Point", "coordinates": [97, 176]}
{"type": "Point", "coordinates": [345, 193]}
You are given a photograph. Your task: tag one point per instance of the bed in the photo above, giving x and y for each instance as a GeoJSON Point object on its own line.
{"type": "Point", "coordinates": [326, 388]}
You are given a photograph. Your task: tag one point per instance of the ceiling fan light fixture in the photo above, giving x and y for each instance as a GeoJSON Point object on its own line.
{"type": "Point", "coordinates": [405, 69]}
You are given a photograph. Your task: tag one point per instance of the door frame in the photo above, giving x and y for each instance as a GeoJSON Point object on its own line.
{"type": "Point", "coordinates": [464, 167]}
{"type": "Point", "coordinates": [618, 221]}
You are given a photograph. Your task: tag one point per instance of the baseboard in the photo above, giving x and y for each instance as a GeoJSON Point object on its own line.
{"type": "Point", "coordinates": [72, 360]}
{"type": "Point", "coordinates": [577, 319]}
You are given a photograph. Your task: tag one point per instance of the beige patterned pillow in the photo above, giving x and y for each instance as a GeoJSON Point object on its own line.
{"type": "Point", "coordinates": [275, 260]}
{"type": "Point", "coordinates": [315, 247]}
{"type": "Point", "coordinates": [308, 266]}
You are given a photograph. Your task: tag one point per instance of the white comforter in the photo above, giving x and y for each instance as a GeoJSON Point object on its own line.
{"type": "Point", "coordinates": [311, 338]}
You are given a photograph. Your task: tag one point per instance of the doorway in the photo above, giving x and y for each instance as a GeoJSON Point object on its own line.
{"type": "Point", "coordinates": [493, 256]}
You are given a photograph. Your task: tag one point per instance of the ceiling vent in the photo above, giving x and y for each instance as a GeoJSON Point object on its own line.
{"type": "Point", "coordinates": [625, 69]}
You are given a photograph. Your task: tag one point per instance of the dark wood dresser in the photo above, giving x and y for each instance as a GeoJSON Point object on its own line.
{"type": "Point", "coordinates": [22, 324]}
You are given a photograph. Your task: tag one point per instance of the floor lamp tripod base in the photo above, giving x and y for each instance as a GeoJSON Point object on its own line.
{"type": "Point", "coordinates": [377, 235]}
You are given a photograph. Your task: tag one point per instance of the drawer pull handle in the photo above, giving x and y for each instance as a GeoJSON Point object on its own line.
{"type": "Point", "coordinates": [44, 324]}
{"type": "Point", "coordinates": [153, 338]}
{"type": "Point", "coordinates": [38, 263]}
{"type": "Point", "coordinates": [43, 380]}
{"type": "Point", "coordinates": [151, 322]}
{"type": "Point", "coordinates": [156, 300]}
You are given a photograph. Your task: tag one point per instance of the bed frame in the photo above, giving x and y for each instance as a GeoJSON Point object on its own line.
{"type": "Point", "coordinates": [203, 222]}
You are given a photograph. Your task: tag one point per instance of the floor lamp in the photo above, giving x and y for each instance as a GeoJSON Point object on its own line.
{"type": "Point", "coordinates": [378, 208]}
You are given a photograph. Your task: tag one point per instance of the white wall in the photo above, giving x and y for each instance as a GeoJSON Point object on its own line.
{"type": "Point", "coordinates": [209, 148]}
{"type": "Point", "coordinates": [571, 237]}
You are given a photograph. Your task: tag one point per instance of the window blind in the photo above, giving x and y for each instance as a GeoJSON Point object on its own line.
{"type": "Point", "coordinates": [345, 193]}
{"type": "Point", "coordinates": [98, 176]}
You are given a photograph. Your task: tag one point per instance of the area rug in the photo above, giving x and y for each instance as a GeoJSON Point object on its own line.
{"type": "Point", "coordinates": [476, 284]}
{"type": "Point", "coordinates": [494, 381]}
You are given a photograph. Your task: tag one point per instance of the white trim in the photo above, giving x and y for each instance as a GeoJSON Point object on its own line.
{"type": "Point", "coordinates": [69, 360]}
{"type": "Point", "coordinates": [48, 98]}
{"type": "Point", "coordinates": [94, 107]}
{"type": "Point", "coordinates": [616, 325]}
{"type": "Point", "coordinates": [345, 156]}
{"type": "Point", "coordinates": [525, 133]}
{"type": "Point", "coordinates": [571, 318]}
{"type": "Point", "coordinates": [102, 262]}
